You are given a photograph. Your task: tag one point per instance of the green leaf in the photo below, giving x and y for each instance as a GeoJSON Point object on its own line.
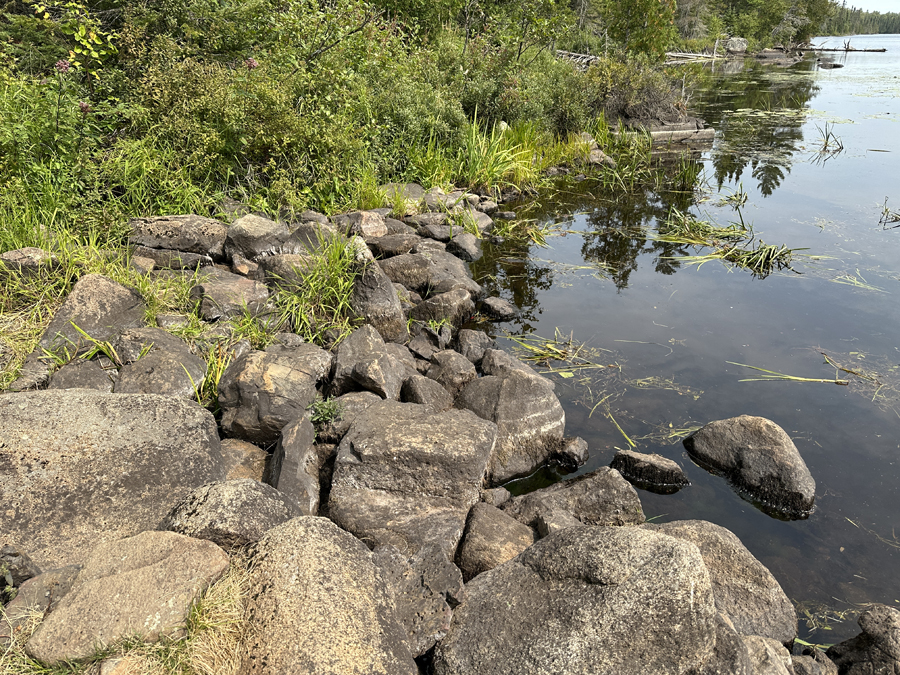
{"type": "Point", "coordinates": [566, 374]}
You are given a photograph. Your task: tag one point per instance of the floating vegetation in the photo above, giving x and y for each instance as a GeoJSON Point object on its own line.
{"type": "Point", "coordinates": [598, 269]}
{"type": "Point", "coordinates": [686, 229]}
{"type": "Point", "coordinates": [770, 375]}
{"type": "Point", "coordinates": [875, 378]}
{"type": "Point", "coordinates": [830, 145]}
{"type": "Point", "coordinates": [561, 354]}
{"type": "Point", "coordinates": [889, 219]}
{"type": "Point", "coordinates": [817, 616]}
{"type": "Point", "coordinates": [736, 199]}
{"type": "Point", "coordinates": [893, 542]}
{"type": "Point", "coordinates": [857, 281]}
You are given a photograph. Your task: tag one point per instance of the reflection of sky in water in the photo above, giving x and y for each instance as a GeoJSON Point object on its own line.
{"type": "Point", "coordinates": [673, 329]}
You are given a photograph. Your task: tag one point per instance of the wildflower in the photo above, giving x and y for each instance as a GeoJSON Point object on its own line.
{"type": "Point", "coordinates": [62, 66]}
{"type": "Point", "coordinates": [251, 64]}
{"type": "Point", "coordinates": [85, 107]}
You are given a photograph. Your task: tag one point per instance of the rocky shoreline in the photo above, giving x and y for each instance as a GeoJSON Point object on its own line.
{"type": "Point", "coordinates": [378, 534]}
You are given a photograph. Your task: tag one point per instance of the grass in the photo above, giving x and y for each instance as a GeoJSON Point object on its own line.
{"type": "Point", "coordinates": [771, 375]}
{"type": "Point", "coordinates": [212, 645]}
{"type": "Point", "coordinates": [889, 219]}
{"type": "Point", "coordinates": [829, 144]}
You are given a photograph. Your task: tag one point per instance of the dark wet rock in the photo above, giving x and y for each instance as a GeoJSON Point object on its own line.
{"type": "Point", "coordinates": [758, 457]}
{"type": "Point", "coordinates": [426, 391]}
{"type": "Point", "coordinates": [363, 344]}
{"type": "Point", "coordinates": [262, 391]}
{"type": "Point", "coordinates": [27, 261]}
{"type": "Point", "coordinates": [473, 344]}
{"type": "Point", "coordinates": [83, 374]}
{"type": "Point", "coordinates": [601, 497]}
{"type": "Point", "coordinates": [253, 236]}
{"type": "Point", "coordinates": [16, 566]}
{"type": "Point", "coordinates": [284, 270]}
{"type": "Point", "coordinates": [317, 599]}
{"type": "Point", "coordinates": [454, 307]}
{"type": "Point", "coordinates": [500, 363]}
{"type": "Point", "coordinates": [39, 594]}
{"type": "Point", "coordinates": [730, 655]}
{"type": "Point", "coordinates": [244, 460]}
{"type": "Point", "coordinates": [769, 657]}
{"type": "Point", "coordinates": [188, 233]}
{"type": "Point", "coordinates": [366, 224]}
{"type": "Point", "coordinates": [465, 246]}
{"type": "Point", "coordinates": [156, 362]}
{"type": "Point", "coordinates": [100, 307]}
{"type": "Point", "coordinates": [745, 591]}
{"type": "Point", "coordinates": [495, 496]}
{"type": "Point", "coordinates": [499, 309]}
{"type": "Point", "coordinates": [452, 371]}
{"type": "Point", "coordinates": [144, 585]}
{"type": "Point", "coordinates": [580, 602]}
{"type": "Point", "coordinates": [225, 295]}
{"type": "Point", "coordinates": [230, 513]}
{"type": "Point", "coordinates": [393, 244]}
{"type": "Point", "coordinates": [382, 375]}
{"type": "Point", "coordinates": [529, 419]}
{"type": "Point", "coordinates": [425, 587]}
{"type": "Point", "coordinates": [97, 451]}
{"type": "Point", "coordinates": [815, 664]}
{"type": "Point", "coordinates": [490, 539]}
{"type": "Point", "coordinates": [572, 453]}
{"type": "Point", "coordinates": [554, 521]}
{"type": "Point", "coordinates": [348, 406]}
{"type": "Point", "coordinates": [874, 651]}
{"type": "Point", "coordinates": [375, 300]}
{"type": "Point", "coordinates": [652, 471]}
{"type": "Point", "coordinates": [406, 475]}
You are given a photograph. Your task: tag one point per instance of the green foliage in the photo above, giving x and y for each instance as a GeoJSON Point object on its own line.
{"type": "Point", "coordinates": [325, 410]}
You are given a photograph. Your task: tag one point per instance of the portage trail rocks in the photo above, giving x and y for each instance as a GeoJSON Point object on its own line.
{"type": "Point", "coordinates": [758, 458]}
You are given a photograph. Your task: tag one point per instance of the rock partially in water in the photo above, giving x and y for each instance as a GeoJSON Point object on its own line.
{"type": "Point", "coordinates": [650, 471]}
{"type": "Point", "coordinates": [586, 600]}
{"type": "Point", "coordinates": [876, 649]}
{"type": "Point", "coordinates": [759, 458]}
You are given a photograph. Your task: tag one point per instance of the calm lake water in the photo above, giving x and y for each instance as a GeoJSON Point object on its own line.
{"type": "Point", "coordinates": [671, 329]}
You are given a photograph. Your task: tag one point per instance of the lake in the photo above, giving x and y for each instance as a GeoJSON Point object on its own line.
{"type": "Point", "coordinates": [668, 333]}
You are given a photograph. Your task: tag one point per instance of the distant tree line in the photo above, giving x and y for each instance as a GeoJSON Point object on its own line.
{"type": "Point", "coordinates": [852, 21]}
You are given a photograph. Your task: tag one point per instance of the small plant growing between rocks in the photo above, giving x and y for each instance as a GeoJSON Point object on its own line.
{"type": "Point", "coordinates": [325, 410]}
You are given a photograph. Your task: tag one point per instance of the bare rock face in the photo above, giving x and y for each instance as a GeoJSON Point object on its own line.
{"type": "Point", "coordinates": [745, 591]}
{"type": "Point", "coordinates": [769, 657]}
{"type": "Point", "coordinates": [730, 655]}
{"type": "Point", "coordinates": [39, 594]}
{"type": "Point", "coordinates": [759, 458]}
{"type": "Point", "coordinates": [431, 271]}
{"type": "Point", "coordinates": [602, 497]}
{"type": "Point", "coordinates": [188, 233]}
{"type": "Point", "coordinates": [876, 649]}
{"type": "Point", "coordinates": [98, 306]}
{"type": "Point", "coordinates": [529, 417]}
{"type": "Point", "coordinates": [84, 374]}
{"type": "Point", "coordinates": [451, 370]}
{"type": "Point", "coordinates": [813, 662]}
{"type": "Point", "coordinates": [231, 513]}
{"type": "Point", "coordinates": [406, 475]}
{"type": "Point", "coordinates": [425, 391]}
{"type": "Point", "coordinates": [244, 460]}
{"type": "Point", "coordinates": [319, 605]}
{"type": "Point", "coordinates": [587, 600]}
{"type": "Point", "coordinates": [491, 538]}
{"type": "Point", "coordinates": [143, 585]}
{"type": "Point", "coordinates": [81, 468]}
{"type": "Point", "coordinates": [295, 465]}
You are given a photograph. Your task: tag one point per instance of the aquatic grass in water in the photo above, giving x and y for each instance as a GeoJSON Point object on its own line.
{"type": "Point", "coordinates": [771, 375]}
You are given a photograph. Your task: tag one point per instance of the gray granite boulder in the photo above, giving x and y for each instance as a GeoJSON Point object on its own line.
{"type": "Point", "coordinates": [346, 407]}
{"type": "Point", "coordinates": [230, 513]}
{"type": "Point", "coordinates": [473, 344]}
{"type": "Point", "coordinates": [758, 458]}
{"type": "Point", "coordinates": [363, 344]}
{"type": "Point", "coordinates": [39, 594]}
{"type": "Point", "coordinates": [874, 651]}
{"type": "Point", "coordinates": [499, 309]}
{"type": "Point", "coordinates": [769, 657]}
{"type": "Point", "coordinates": [451, 370]}
{"type": "Point", "coordinates": [393, 244]}
{"type": "Point", "coordinates": [465, 246]}
{"type": "Point", "coordinates": [97, 452]}
{"type": "Point", "coordinates": [363, 223]}
{"type": "Point", "coordinates": [602, 497]}
{"type": "Point", "coordinates": [317, 604]}
{"type": "Point", "coordinates": [244, 460]}
{"type": "Point", "coordinates": [295, 465]}
{"type": "Point", "coordinates": [253, 236]}
{"type": "Point", "coordinates": [491, 538]}
{"type": "Point", "coordinates": [381, 374]}
{"type": "Point", "coordinates": [407, 476]}
{"type": "Point", "coordinates": [432, 271]}
{"type": "Point", "coordinates": [745, 591]}
{"type": "Point", "coordinates": [141, 586]}
{"type": "Point", "coordinates": [529, 417]}
{"type": "Point", "coordinates": [586, 600]}
{"type": "Point", "coordinates": [425, 391]}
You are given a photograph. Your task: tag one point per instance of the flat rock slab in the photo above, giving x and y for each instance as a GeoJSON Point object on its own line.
{"type": "Point", "coordinates": [318, 605]}
{"type": "Point", "coordinates": [98, 306]}
{"type": "Point", "coordinates": [745, 591]}
{"type": "Point", "coordinates": [601, 497]}
{"type": "Point", "coordinates": [143, 586]}
{"type": "Point", "coordinates": [587, 600]}
{"type": "Point", "coordinates": [406, 475]}
{"type": "Point", "coordinates": [758, 458]}
{"type": "Point", "coordinates": [188, 233]}
{"type": "Point", "coordinates": [650, 471]}
{"type": "Point", "coordinates": [80, 468]}
{"type": "Point", "coordinates": [225, 295]}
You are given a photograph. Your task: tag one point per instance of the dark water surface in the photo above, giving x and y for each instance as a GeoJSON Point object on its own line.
{"type": "Point", "coordinates": [671, 328]}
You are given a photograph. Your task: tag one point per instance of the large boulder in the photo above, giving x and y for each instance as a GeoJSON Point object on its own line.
{"type": "Point", "coordinates": [231, 513]}
{"type": "Point", "coordinates": [375, 300]}
{"type": "Point", "coordinates": [188, 233]}
{"type": "Point", "coordinates": [80, 468]}
{"type": "Point", "coordinates": [253, 236]}
{"type": "Point", "coordinates": [759, 458]}
{"type": "Point", "coordinates": [745, 591]}
{"type": "Point", "coordinates": [406, 475]}
{"type": "Point", "coordinates": [587, 600]}
{"type": "Point", "coordinates": [455, 307]}
{"type": "Point", "coordinates": [874, 651]}
{"type": "Point", "coordinates": [736, 45]}
{"type": "Point", "coordinates": [529, 418]}
{"type": "Point", "coordinates": [318, 605]}
{"type": "Point", "coordinates": [431, 271]}
{"type": "Point", "coordinates": [141, 586]}
{"type": "Point", "coordinates": [602, 497]}
{"type": "Point", "coordinates": [261, 392]}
